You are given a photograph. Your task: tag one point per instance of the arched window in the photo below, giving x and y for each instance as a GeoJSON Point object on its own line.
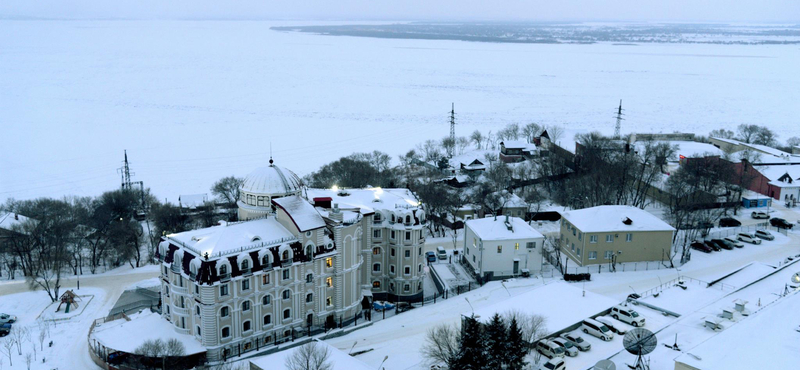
{"type": "Point", "coordinates": [287, 314]}
{"type": "Point", "coordinates": [309, 251]}
{"type": "Point", "coordinates": [223, 269]}
{"type": "Point", "coordinates": [197, 310]}
{"type": "Point", "coordinates": [392, 217]}
{"type": "Point", "coordinates": [245, 264]}
{"type": "Point", "coordinates": [285, 255]}
{"type": "Point", "coordinates": [376, 267]}
{"type": "Point", "coordinates": [246, 306]}
{"type": "Point", "coordinates": [225, 311]}
{"type": "Point", "coordinates": [376, 250]}
{"type": "Point", "coordinates": [408, 219]}
{"type": "Point", "coordinates": [377, 217]}
{"type": "Point", "coordinates": [226, 332]}
{"type": "Point", "coordinates": [376, 284]}
{"type": "Point", "coordinates": [246, 325]}
{"type": "Point", "coordinates": [267, 319]}
{"type": "Point", "coordinates": [267, 299]}
{"type": "Point", "coordinates": [265, 260]}
{"type": "Point", "coordinates": [309, 298]}
{"type": "Point", "coordinates": [286, 294]}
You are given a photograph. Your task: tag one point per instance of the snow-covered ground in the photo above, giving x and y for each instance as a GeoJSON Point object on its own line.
{"type": "Point", "coordinates": [193, 101]}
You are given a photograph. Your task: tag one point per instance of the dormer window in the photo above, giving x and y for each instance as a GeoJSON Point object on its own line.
{"type": "Point", "coordinates": [285, 255]}
{"type": "Point", "coordinates": [245, 264]}
{"type": "Point", "coordinates": [255, 239]}
{"type": "Point", "coordinates": [223, 270]}
{"type": "Point", "coordinates": [408, 219]}
{"type": "Point", "coordinates": [265, 260]}
{"type": "Point", "coordinates": [392, 217]}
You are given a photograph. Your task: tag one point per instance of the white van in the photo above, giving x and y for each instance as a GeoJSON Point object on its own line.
{"type": "Point", "coordinates": [597, 329]}
{"type": "Point", "coordinates": [549, 348]}
{"type": "Point", "coordinates": [441, 253]}
{"type": "Point", "coordinates": [554, 364]}
{"type": "Point", "coordinates": [748, 238]}
{"type": "Point", "coordinates": [627, 315]}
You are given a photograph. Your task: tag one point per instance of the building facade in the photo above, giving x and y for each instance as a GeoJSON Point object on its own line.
{"type": "Point", "coordinates": [502, 247]}
{"type": "Point", "coordinates": [295, 263]}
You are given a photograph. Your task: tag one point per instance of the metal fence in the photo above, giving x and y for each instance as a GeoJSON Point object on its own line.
{"type": "Point", "coordinates": [740, 229]}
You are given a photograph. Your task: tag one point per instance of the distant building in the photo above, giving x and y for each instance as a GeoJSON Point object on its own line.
{"type": "Point", "coordinates": [622, 233]}
{"type": "Point", "coordinates": [501, 247]}
{"type": "Point", "coordinates": [516, 151]}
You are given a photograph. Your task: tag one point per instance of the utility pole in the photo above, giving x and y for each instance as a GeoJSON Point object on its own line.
{"type": "Point", "coordinates": [619, 120]}
{"type": "Point", "coordinates": [125, 172]}
{"type": "Point", "coordinates": [452, 130]}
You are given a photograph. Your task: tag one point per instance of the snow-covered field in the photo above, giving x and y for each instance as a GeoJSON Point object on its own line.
{"type": "Point", "coordinates": [193, 101]}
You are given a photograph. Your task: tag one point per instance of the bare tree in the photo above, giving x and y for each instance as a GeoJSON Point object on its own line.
{"type": "Point", "coordinates": [226, 190]}
{"type": "Point", "coordinates": [28, 360]}
{"type": "Point", "coordinates": [442, 345]}
{"type": "Point", "coordinates": [20, 334]}
{"type": "Point", "coordinates": [533, 326]}
{"type": "Point", "coordinates": [311, 356]}
{"type": "Point", "coordinates": [477, 138]}
{"type": "Point", "coordinates": [531, 130]}
{"type": "Point", "coordinates": [555, 132]}
{"type": "Point", "coordinates": [8, 347]}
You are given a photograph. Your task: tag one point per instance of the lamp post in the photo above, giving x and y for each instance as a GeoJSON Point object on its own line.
{"type": "Point", "coordinates": [384, 360]}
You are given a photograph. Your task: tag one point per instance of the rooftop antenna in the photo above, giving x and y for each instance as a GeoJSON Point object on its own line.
{"type": "Point", "coordinates": [619, 120]}
{"type": "Point", "coordinates": [270, 154]}
{"type": "Point", "coordinates": [125, 172]}
{"type": "Point", "coordinates": [640, 342]}
{"type": "Point", "coordinates": [452, 130]}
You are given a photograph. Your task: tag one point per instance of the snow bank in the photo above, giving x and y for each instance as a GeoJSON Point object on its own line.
{"type": "Point", "coordinates": [126, 336]}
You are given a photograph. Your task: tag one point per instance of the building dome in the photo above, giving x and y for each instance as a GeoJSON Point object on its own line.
{"type": "Point", "coordinates": [272, 181]}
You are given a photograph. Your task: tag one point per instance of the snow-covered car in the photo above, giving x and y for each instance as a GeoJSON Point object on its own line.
{"type": "Point", "coordinates": [549, 349]}
{"type": "Point", "coordinates": [701, 247]}
{"type": "Point", "coordinates": [748, 238]}
{"type": "Point", "coordinates": [764, 234]}
{"type": "Point", "coordinates": [615, 326]}
{"type": "Point", "coordinates": [733, 242]}
{"type": "Point", "coordinates": [627, 316]}
{"type": "Point", "coordinates": [759, 215]}
{"type": "Point", "coordinates": [578, 341]}
{"type": "Point", "coordinates": [569, 348]}
{"type": "Point", "coordinates": [7, 319]}
{"type": "Point", "coordinates": [554, 364]}
{"type": "Point", "coordinates": [597, 329]}
{"type": "Point", "coordinates": [720, 243]}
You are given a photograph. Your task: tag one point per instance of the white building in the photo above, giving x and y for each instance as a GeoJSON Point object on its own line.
{"type": "Point", "coordinates": [501, 247]}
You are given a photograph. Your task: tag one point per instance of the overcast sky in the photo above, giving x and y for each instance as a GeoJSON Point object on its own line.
{"type": "Point", "coordinates": [752, 11]}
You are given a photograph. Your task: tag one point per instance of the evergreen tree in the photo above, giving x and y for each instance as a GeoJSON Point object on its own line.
{"type": "Point", "coordinates": [472, 355]}
{"type": "Point", "coordinates": [517, 347]}
{"type": "Point", "coordinates": [496, 343]}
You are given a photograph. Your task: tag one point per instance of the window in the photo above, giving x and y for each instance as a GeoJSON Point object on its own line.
{"type": "Point", "coordinates": [408, 253]}
{"type": "Point", "coordinates": [408, 220]}
{"type": "Point", "coordinates": [392, 217]}
{"type": "Point", "coordinates": [246, 326]}
{"type": "Point", "coordinates": [407, 270]}
{"type": "Point", "coordinates": [264, 279]}
{"type": "Point", "coordinates": [579, 252]}
{"type": "Point", "coordinates": [265, 300]}
{"type": "Point", "coordinates": [285, 256]}
{"type": "Point", "coordinates": [226, 332]}
{"type": "Point", "coordinates": [408, 235]}
{"type": "Point", "coordinates": [573, 247]}
{"type": "Point", "coordinates": [197, 310]}
{"type": "Point", "coordinates": [196, 289]}
{"type": "Point", "coordinates": [287, 314]}
{"type": "Point", "coordinates": [223, 270]}
{"type": "Point", "coordinates": [329, 301]}
{"type": "Point", "coordinates": [225, 311]}
{"type": "Point", "coordinates": [245, 264]}
{"type": "Point", "coordinates": [377, 217]}
{"type": "Point", "coordinates": [392, 253]}
{"type": "Point", "coordinates": [393, 237]}
{"type": "Point", "coordinates": [580, 236]}
{"type": "Point", "coordinates": [286, 294]}
{"type": "Point", "coordinates": [329, 262]}
{"type": "Point", "coordinates": [499, 249]}
{"type": "Point", "coordinates": [609, 238]}
{"type": "Point", "coordinates": [265, 260]}
{"type": "Point", "coordinates": [407, 287]}
{"type": "Point", "coordinates": [593, 255]}
{"type": "Point", "coordinates": [530, 245]}
{"type": "Point", "coordinates": [608, 255]}
{"type": "Point", "coordinates": [473, 258]}
{"type": "Point", "coordinates": [245, 306]}
{"type": "Point", "coordinates": [376, 234]}
{"type": "Point", "coordinates": [260, 201]}
{"type": "Point", "coordinates": [420, 234]}
{"type": "Point", "coordinates": [593, 239]}
{"type": "Point", "coordinates": [309, 278]}
{"type": "Point", "coordinates": [420, 251]}
{"type": "Point", "coordinates": [516, 246]}
{"type": "Point", "coordinates": [376, 284]}
{"type": "Point", "coordinates": [376, 250]}
{"type": "Point", "coordinates": [197, 330]}
{"type": "Point", "coordinates": [246, 284]}
{"type": "Point", "coordinates": [574, 232]}
{"type": "Point", "coordinates": [419, 268]}
{"type": "Point", "coordinates": [267, 319]}
{"type": "Point", "coordinates": [223, 290]}
{"type": "Point", "coordinates": [391, 269]}
{"type": "Point", "coordinates": [285, 274]}
{"type": "Point", "coordinates": [628, 237]}
{"type": "Point", "coordinates": [310, 251]}
{"type": "Point", "coordinates": [329, 282]}
{"type": "Point", "coordinates": [376, 267]}
{"type": "Point", "coordinates": [309, 298]}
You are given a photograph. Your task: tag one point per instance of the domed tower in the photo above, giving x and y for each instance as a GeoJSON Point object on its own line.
{"type": "Point", "coordinates": [261, 186]}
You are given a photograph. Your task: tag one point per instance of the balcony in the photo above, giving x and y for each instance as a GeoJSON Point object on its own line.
{"type": "Point", "coordinates": [247, 272]}
{"type": "Point", "coordinates": [225, 277]}
{"type": "Point", "coordinates": [180, 311]}
{"type": "Point", "coordinates": [192, 277]}
{"type": "Point", "coordinates": [175, 268]}
{"type": "Point", "coordinates": [408, 242]}
{"type": "Point", "coordinates": [267, 267]}
{"type": "Point", "coordinates": [287, 263]}
{"type": "Point", "coordinates": [179, 289]}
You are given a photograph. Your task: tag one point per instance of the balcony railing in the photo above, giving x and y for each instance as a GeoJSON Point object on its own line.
{"type": "Point", "coordinates": [192, 277]}
{"type": "Point", "coordinates": [267, 267]}
{"type": "Point", "coordinates": [175, 268]}
{"type": "Point", "coordinates": [247, 272]}
{"type": "Point", "coordinates": [225, 277]}
{"type": "Point", "coordinates": [180, 311]}
{"type": "Point", "coordinates": [179, 289]}
{"type": "Point", "coordinates": [287, 262]}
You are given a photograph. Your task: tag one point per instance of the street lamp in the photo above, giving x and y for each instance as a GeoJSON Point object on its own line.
{"type": "Point", "coordinates": [384, 360]}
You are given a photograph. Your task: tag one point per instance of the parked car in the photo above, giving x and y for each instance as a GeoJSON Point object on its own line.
{"type": "Point", "coordinates": [549, 349]}
{"type": "Point", "coordinates": [748, 238]}
{"type": "Point", "coordinates": [759, 214]}
{"type": "Point", "coordinates": [712, 245]}
{"type": "Point", "coordinates": [627, 315]}
{"type": "Point", "coordinates": [430, 256]}
{"type": "Point", "coordinates": [780, 223]}
{"type": "Point", "coordinates": [7, 319]}
{"type": "Point", "coordinates": [569, 348]}
{"type": "Point", "coordinates": [615, 326]}
{"type": "Point", "coordinates": [732, 241]}
{"type": "Point", "coordinates": [441, 253]}
{"type": "Point", "coordinates": [764, 234]}
{"type": "Point", "coordinates": [700, 247]}
{"type": "Point", "coordinates": [729, 222]}
{"type": "Point", "coordinates": [403, 307]}
{"type": "Point", "coordinates": [5, 329]}
{"type": "Point", "coordinates": [595, 328]}
{"type": "Point", "coordinates": [578, 341]}
{"type": "Point", "coordinates": [554, 364]}
{"type": "Point", "coordinates": [721, 243]}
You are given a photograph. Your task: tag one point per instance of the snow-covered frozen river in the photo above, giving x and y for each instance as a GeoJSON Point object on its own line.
{"type": "Point", "coordinates": [193, 101]}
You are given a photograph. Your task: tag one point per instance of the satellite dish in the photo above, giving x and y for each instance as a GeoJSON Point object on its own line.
{"type": "Point", "coordinates": [796, 278]}
{"type": "Point", "coordinates": [604, 365]}
{"type": "Point", "coordinates": [640, 342]}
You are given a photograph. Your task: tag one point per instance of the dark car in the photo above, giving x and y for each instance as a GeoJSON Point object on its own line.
{"type": "Point", "coordinates": [5, 329]}
{"type": "Point", "coordinates": [721, 243]}
{"type": "Point", "coordinates": [701, 247]}
{"type": "Point", "coordinates": [431, 256]}
{"type": "Point", "coordinates": [712, 245]}
{"type": "Point", "coordinates": [780, 223]}
{"type": "Point", "coordinates": [404, 306]}
{"type": "Point", "coordinates": [729, 222]}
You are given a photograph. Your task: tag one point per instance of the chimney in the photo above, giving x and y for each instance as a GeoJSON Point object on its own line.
{"type": "Point", "coordinates": [336, 214]}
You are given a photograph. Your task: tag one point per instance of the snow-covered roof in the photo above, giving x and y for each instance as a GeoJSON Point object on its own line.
{"type": "Point", "coordinates": [549, 301]}
{"type": "Point", "coordinates": [773, 173]}
{"type": "Point", "coordinates": [469, 157]}
{"type": "Point", "coordinates": [609, 218]}
{"type": "Point", "coordinates": [338, 358]}
{"type": "Point", "coordinates": [766, 339]}
{"type": "Point", "coordinates": [689, 149]}
{"type": "Point", "coordinates": [767, 149]}
{"type": "Point", "coordinates": [234, 236]}
{"type": "Point", "coordinates": [491, 228]}
{"type": "Point", "coordinates": [514, 201]}
{"type": "Point", "coordinates": [518, 144]}
{"type": "Point", "coordinates": [193, 200]}
{"type": "Point", "coordinates": [369, 199]}
{"type": "Point", "coordinates": [126, 336]}
{"type": "Point", "coordinates": [8, 220]}
{"type": "Point", "coordinates": [729, 141]}
{"type": "Point", "coordinates": [272, 180]}
{"type": "Point", "coordinates": [302, 213]}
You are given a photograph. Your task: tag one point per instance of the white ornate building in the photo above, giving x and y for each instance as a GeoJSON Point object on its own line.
{"type": "Point", "coordinates": [304, 258]}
